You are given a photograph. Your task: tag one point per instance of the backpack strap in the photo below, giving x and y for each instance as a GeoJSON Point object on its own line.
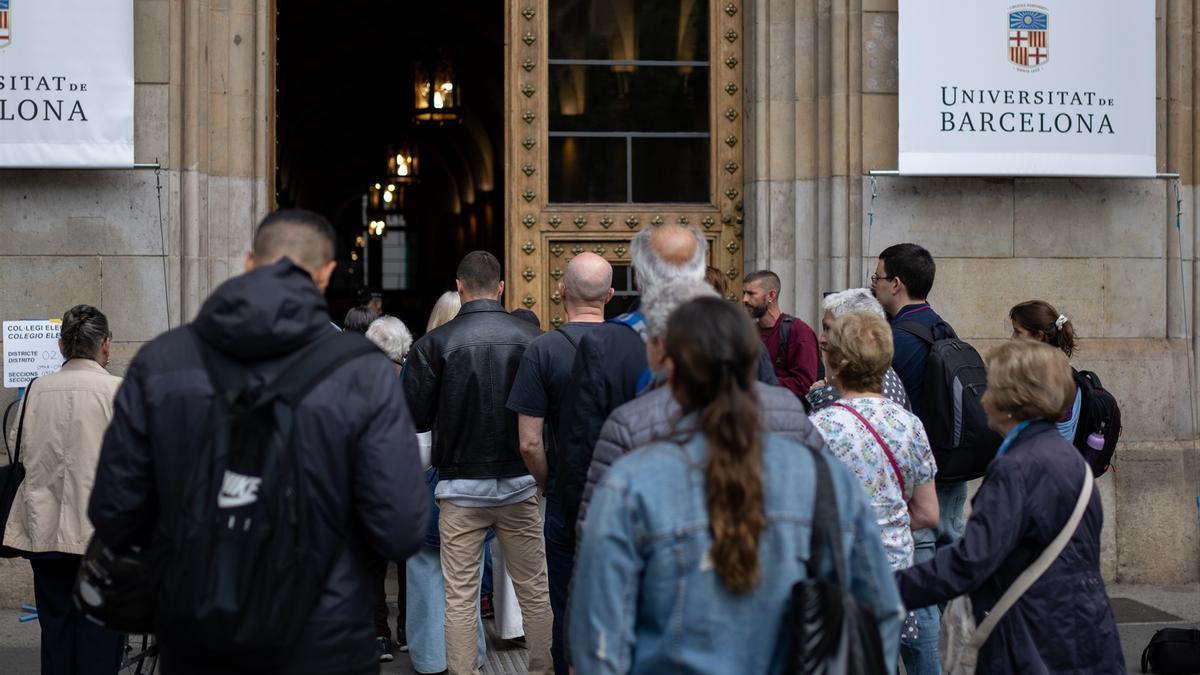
{"type": "Point", "coordinates": [924, 333]}
{"type": "Point", "coordinates": [878, 439]}
{"type": "Point", "coordinates": [927, 334]}
{"type": "Point", "coordinates": [316, 362]}
{"type": "Point", "coordinates": [784, 332]}
{"type": "Point", "coordinates": [574, 342]}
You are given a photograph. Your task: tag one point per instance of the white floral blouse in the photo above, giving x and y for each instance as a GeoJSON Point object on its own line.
{"type": "Point", "coordinates": [852, 443]}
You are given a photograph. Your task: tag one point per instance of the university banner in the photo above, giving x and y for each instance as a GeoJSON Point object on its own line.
{"type": "Point", "coordinates": [1056, 88]}
{"type": "Point", "coordinates": [66, 83]}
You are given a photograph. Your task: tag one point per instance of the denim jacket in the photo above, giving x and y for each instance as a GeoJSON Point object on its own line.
{"type": "Point", "coordinates": [647, 598]}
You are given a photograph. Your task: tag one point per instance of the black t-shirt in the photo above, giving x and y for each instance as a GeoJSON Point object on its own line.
{"type": "Point", "coordinates": [542, 383]}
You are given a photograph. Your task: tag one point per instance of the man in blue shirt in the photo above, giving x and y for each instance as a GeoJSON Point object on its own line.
{"type": "Point", "coordinates": [902, 280]}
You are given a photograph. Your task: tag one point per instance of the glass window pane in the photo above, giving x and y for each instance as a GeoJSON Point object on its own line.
{"type": "Point", "coordinates": [586, 170]}
{"type": "Point", "coordinates": [626, 30]}
{"type": "Point", "coordinates": [629, 98]}
{"type": "Point", "coordinates": [670, 170]}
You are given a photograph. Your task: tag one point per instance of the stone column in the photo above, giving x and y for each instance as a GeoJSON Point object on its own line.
{"type": "Point", "coordinates": [822, 110]}
{"type": "Point", "coordinates": [804, 145]}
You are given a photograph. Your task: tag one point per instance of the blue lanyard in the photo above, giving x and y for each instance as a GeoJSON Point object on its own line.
{"type": "Point", "coordinates": [1012, 436]}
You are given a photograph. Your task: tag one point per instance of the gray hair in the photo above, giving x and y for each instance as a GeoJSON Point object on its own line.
{"type": "Point", "coordinates": [392, 336]}
{"type": "Point", "coordinates": [661, 300]}
{"type": "Point", "coordinates": [84, 330]}
{"type": "Point", "coordinates": [653, 270]}
{"type": "Point", "coordinates": [853, 301]}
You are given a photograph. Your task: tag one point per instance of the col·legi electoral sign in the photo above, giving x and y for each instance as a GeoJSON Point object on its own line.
{"type": "Point", "coordinates": [1054, 88]}
{"type": "Point", "coordinates": [66, 83]}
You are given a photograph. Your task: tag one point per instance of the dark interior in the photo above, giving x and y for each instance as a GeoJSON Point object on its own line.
{"type": "Point", "coordinates": [345, 77]}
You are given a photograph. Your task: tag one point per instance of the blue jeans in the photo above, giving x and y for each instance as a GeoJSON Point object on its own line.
{"type": "Point", "coordinates": [560, 562]}
{"type": "Point", "coordinates": [952, 503]}
{"type": "Point", "coordinates": [921, 655]}
{"type": "Point", "coordinates": [426, 607]}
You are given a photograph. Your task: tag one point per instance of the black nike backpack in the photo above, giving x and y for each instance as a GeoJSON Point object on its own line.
{"type": "Point", "coordinates": [951, 406]}
{"type": "Point", "coordinates": [242, 576]}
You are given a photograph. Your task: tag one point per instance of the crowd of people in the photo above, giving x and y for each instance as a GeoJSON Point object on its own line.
{"type": "Point", "coordinates": [644, 493]}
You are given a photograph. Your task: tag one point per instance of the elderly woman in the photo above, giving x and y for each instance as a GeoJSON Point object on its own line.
{"type": "Point", "coordinates": [885, 447]}
{"type": "Point", "coordinates": [392, 337]}
{"type": "Point", "coordinates": [61, 425]}
{"type": "Point", "coordinates": [853, 301]}
{"type": "Point", "coordinates": [1064, 622]}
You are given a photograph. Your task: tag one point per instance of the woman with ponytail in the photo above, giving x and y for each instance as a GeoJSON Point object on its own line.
{"type": "Point", "coordinates": [885, 447]}
{"type": "Point", "coordinates": [1039, 320]}
{"type": "Point", "coordinates": [692, 543]}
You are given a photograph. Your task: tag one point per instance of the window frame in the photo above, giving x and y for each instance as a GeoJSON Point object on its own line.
{"type": "Point", "coordinates": [541, 233]}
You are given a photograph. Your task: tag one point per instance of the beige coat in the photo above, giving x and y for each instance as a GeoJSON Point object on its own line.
{"type": "Point", "coordinates": [64, 427]}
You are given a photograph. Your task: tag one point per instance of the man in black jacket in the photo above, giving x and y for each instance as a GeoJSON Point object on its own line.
{"type": "Point", "coordinates": [457, 380]}
{"type": "Point", "coordinates": [353, 436]}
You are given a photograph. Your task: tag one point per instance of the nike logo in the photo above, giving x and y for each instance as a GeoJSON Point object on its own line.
{"type": "Point", "coordinates": [237, 490]}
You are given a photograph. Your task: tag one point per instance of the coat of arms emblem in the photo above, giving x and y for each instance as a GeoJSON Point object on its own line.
{"type": "Point", "coordinates": [1028, 44]}
{"type": "Point", "coordinates": [5, 24]}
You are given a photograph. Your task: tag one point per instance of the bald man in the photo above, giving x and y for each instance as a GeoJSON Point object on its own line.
{"type": "Point", "coordinates": [542, 384]}
{"type": "Point", "coordinates": [351, 433]}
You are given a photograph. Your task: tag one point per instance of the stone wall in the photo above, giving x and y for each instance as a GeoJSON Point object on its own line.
{"type": "Point", "coordinates": [202, 102]}
{"type": "Point", "coordinates": [822, 105]}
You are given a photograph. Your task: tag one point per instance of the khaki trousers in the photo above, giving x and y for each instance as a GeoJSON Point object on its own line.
{"type": "Point", "coordinates": [518, 529]}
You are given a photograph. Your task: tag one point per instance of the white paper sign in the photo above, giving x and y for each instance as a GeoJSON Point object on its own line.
{"type": "Point", "coordinates": [66, 83]}
{"type": "Point", "coordinates": [1055, 88]}
{"type": "Point", "coordinates": [30, 350]}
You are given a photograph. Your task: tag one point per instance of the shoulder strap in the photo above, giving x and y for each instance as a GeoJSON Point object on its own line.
{"type": "Point", "coordinates": [21, 422]}
{"type": "Point", "coordinates": [316, 362]}
{"type": "Point", "coordinates": [878, 439]}
{"type": "Point", "coordinates": [574, 342]}
{"type": "Point", "coordinates": [913, 328]}
{"type": "Point", "coordinates": [826, 522]}
{"type": "Point", "coordinates": [1039, 566]}
{"type": "Point", "coordinates": [784, 332]}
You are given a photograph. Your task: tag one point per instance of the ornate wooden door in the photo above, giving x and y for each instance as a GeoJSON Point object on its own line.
{"type": "Point", "coordinates": [621, 114]}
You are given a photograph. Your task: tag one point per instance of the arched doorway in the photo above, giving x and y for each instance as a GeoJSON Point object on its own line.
{"type": "Point", "coordinates": [345, 103]}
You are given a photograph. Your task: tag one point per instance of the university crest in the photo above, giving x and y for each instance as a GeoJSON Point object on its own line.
{"type": "Point", "coordinates": [1028, 33]}
{"type": "Point", "coordinates": [5, 24]}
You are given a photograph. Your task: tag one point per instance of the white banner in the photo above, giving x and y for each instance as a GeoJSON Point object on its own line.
{"type": "Point", "coordinates": [1056, 88]}
{"type": "Point", "coordinates": [66, 83]}
{"type": "Point", "coordinates": [30, 350]}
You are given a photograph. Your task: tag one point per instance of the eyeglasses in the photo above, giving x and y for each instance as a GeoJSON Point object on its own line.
{"type": "Point", "coordinates": [875, 278]}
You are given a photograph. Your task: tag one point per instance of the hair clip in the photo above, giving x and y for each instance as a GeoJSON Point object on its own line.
{"type": "Point", "coordinates": [1061, 321]}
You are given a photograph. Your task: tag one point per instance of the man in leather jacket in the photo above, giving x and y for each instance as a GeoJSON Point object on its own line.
{"type": "Point", "coordinates": [457, 383]}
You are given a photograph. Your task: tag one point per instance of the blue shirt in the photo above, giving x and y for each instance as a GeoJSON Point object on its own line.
{"type": "Point", "coordinates": [1011, 437]}
{"type": "Point", "coordinates": [647, 598]}
{"type": "Point", "coordinates": [911, 352]}
{"type": "Point", "coordinates": [1068, 426]}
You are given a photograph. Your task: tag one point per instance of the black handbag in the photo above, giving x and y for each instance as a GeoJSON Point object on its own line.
{"type": "Point", "coordinates": [1172, 651]}
{"type": "Point", "coordinates": [826, 629]}
{"type": "Point", "coordinates": [11, 475]}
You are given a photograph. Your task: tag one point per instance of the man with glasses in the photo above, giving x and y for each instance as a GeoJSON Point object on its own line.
{"type": "Point", "coordinates": [902, 280]}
